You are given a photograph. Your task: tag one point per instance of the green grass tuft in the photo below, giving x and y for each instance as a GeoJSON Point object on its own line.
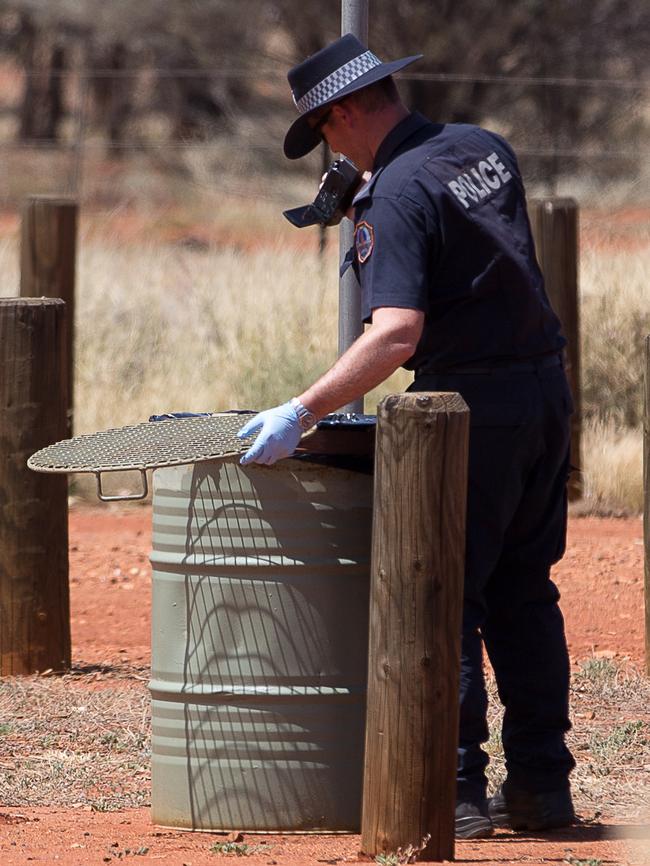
{"type": "Point", "coordinates": [629, 735]}
{"type": "Point", "coordinates": [239, 849]}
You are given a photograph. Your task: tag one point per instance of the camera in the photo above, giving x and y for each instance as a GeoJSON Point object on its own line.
{"type": "Point", "coordinates": [334, 197]}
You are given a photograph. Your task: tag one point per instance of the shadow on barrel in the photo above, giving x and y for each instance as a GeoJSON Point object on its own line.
{"type": "Point", "coordinates": [275, 574]}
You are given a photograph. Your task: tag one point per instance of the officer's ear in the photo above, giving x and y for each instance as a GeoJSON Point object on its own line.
{"type": "Point", "coordinates": [345, 111]}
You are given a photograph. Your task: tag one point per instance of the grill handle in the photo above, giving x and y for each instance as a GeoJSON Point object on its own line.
{"type": "Point", "coordinates": [128, 497]}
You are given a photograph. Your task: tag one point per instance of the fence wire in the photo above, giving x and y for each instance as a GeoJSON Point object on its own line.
{"type": "Point", "coordinates": [137, 134]}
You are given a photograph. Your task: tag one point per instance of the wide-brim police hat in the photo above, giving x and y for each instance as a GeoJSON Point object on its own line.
{"type": "Point", "coordinates": [327, 76]}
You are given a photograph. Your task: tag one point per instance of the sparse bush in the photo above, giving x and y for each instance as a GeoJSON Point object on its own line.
{"type": "Point", "coordinates": [615, 313]}
{"type": "Point", "coordinates": [596, 671]}
{"type": "Point", "coordinates": [615, 319]}
{"type": "Point", "coordinates": [613, 468]}
{"type": "Point", "coordinates": [630, 735]}
{"type": "Point", "coordinates": [407, 854]}
{"type": "Point", "coordinates": [239, 849]}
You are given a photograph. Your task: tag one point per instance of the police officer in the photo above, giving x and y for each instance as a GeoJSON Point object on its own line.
{"type": "Point", "coordinates": [451, 289]}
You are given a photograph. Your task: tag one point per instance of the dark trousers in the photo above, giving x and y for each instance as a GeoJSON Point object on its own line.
{"type": "Point", "coordinates": [516, 529]}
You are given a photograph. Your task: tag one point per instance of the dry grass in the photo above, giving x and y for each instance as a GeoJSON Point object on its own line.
{"type": "Point", "coordinates": [202, 331]}
{"type": "Point", "coordinates": [168, 329]}
{"type": "Point", "coordinates": [62, 743]}
{"type": "Point", "coordinates": [613, 476]}
{"type": "Point", "coordinates": [610, 740]}
{"type": "Point", "coordinates": [83, 739]}
{"type": "Point", "coordinates": [615, 313]}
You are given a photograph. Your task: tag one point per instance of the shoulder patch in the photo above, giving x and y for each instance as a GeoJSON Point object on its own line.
{"type": "Point", "coordinates": [364, 240]}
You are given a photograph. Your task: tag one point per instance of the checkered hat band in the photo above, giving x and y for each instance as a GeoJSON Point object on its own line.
{"type": "Point", "coordinates": [336, 81]}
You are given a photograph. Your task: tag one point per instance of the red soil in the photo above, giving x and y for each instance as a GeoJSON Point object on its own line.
{"type": "Point", "coordinates": [602, 588]}
{"type": "Point", "coordinates": [600, 578]}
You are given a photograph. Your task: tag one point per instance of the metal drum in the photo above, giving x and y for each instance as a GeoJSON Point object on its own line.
{"type": "Point", "coordinates": [259, 645]}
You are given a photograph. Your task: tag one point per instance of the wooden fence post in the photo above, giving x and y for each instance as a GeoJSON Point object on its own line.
{"type": "Point", "coordinates": [646, 501]}
{"type": "Point", "coordinates": [418, 556]}
{"type": "Point", "coordinates": [47, 263]}
{"type": "Point", "coordinates": [34, 605]}
{"type": "Point", "coordinates": [554, 223]}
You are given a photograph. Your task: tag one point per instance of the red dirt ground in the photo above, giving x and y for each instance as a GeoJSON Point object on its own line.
{"type": "Point", "coordinates": [601, 580]}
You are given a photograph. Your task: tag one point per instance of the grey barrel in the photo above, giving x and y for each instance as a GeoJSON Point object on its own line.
{"type": "Point", "coordinates": [259, 645]}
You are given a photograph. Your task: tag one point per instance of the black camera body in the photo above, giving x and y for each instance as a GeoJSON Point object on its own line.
{"type": "Point", "coordinates": [334, 197]}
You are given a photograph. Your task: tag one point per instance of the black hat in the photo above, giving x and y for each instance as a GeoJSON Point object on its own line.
{"type": "Point", "coordinates": [327, 76]}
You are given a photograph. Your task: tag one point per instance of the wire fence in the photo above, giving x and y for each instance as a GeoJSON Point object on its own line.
{"type": "Point", "coordinates": [260, 72]}
{"type": "Point", "coordinates": [144, 134]}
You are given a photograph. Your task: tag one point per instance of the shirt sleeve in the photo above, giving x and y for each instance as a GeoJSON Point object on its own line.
{"type": "Point", "coordinates": [394, 245]}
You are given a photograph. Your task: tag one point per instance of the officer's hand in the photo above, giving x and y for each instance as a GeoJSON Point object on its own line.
{"type": "Point", "coordinates": [365, 177]}
{"type": "Point", "coordinates": [280, 433]}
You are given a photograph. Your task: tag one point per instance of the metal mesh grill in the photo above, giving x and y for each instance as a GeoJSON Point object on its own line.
{"type": "Point", "coordinates": [146, 446]}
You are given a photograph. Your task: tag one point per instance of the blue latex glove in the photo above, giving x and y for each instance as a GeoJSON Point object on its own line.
{"type": "Point", "coordinates": [279, 435]}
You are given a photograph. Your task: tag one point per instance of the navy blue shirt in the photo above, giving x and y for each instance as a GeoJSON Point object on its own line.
{"type": "Point", "coordinates": [442, 227]}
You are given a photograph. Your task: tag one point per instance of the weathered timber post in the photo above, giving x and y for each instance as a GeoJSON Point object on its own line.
{"type": "Point", "coordinates": [646, 501]}
{"type": "Point", "coordinates": [555, 228]}
{"type": "Point", "coordinates": [47, 263]}
{"type": "Point", "coordinates": [34, 605]}
{"type": "Point", "coordinates": [418, 558]}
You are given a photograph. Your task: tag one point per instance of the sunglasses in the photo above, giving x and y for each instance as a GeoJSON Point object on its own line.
{"type": "Point", "coordinates": [322, 120]}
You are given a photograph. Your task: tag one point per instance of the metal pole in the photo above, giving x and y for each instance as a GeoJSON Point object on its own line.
{"type": "Point", "coordinates": [354, 19]}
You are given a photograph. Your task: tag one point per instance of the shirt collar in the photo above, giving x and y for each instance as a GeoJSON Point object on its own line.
{"type": "Point", "coordinates": [397, 136]}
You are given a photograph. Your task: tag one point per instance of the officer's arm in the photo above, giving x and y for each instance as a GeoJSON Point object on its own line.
{"type": "Point", "coordinates": [390, 340]}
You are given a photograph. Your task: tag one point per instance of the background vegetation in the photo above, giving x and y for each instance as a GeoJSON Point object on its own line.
{"type": "Point", "coordinates": [165, 121]}
{"type": "Point", "coordinates": [567, 82]}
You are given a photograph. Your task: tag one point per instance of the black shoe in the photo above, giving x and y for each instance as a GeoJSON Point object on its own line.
{"type": "Point", "coordinates": [523, 810]}
{"type": "Point", "coordinates": [472, 821]}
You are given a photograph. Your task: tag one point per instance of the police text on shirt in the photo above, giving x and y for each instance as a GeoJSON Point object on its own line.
{"type": "Point", "coordinates": [480, 181]}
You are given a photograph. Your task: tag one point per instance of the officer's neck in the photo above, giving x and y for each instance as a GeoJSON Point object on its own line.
{"type": "Point", "coordinates": [380, 123]}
